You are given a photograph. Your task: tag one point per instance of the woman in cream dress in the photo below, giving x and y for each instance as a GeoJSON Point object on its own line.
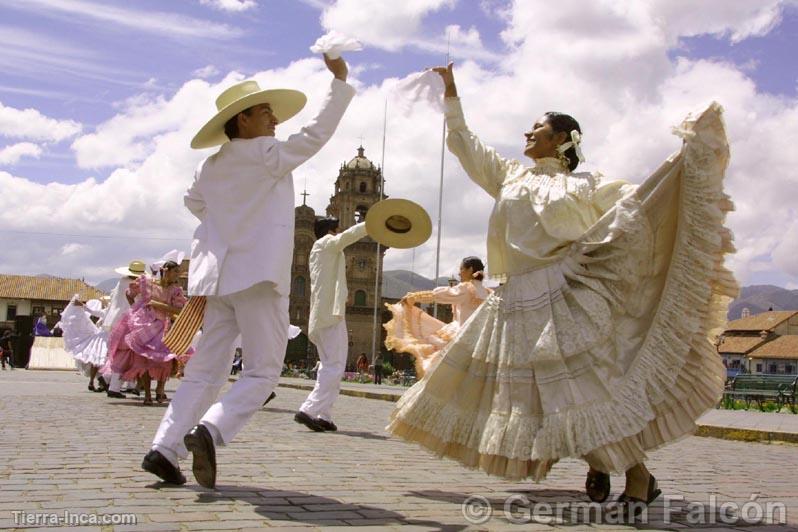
{"type": "Point", "coordinates": [597, 344]}
{"type": "Point", "coordinates": [413, 331]}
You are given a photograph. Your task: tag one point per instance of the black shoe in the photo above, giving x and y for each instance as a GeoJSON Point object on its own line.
{"type": "Point", "coordinates": [101, 384]}
{"type": "Point", "coordinates": [632, 507]}
{"type": "Point", "coordinates": [115, 395]}
{"type": "Point", "coordinates": [309, 422]}
{"type": "Point", "coordinates": [326, 425]}
{"type": "Point", "coordinates": [134, 391]}
{"type": "Point", "coordinates": [200, 442]}
{"type": "Point", "coordinates": [157, 464]}
{"type": "Point", "coordinates": [92, 388]}
{"type": "Point", "coordinates": [271, 396]}
{"type": "Point", "coordinates": [597, 485]}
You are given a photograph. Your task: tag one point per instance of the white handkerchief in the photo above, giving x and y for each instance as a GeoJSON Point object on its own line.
{"type": "Point", "coordinates": [333, 43]}
{"type": "Point", "coordinates": [424, 86]}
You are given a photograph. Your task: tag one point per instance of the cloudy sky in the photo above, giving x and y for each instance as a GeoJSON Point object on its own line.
{"type": "Point", "coordinates": [99, 100]}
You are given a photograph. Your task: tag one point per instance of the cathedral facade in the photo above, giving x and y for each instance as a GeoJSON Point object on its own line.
{"type": "Point", "coordinates": [357, 188]}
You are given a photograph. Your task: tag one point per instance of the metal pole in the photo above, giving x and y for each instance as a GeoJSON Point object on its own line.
{"type": "Point", "coordinates": [377, 298]}
{"type": "Point", "coordinates": [440, 216]}
{"type": "Point", "coordinates": [440, 198]}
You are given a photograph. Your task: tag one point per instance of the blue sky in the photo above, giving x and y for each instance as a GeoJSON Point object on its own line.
{"type": "Point", "coordinates": [89, 70]}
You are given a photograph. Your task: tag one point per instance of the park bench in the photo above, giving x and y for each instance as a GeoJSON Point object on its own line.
{"type": "Point", "coordinates": [762, 388]}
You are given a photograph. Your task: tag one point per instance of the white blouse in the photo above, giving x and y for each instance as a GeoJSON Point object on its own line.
{"type": "Point", "coordinates": [539, 211]}
{"type": "Point", "coordinates": [464, 298]}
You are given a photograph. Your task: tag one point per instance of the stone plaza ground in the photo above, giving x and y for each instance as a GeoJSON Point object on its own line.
{"type": "Point", "coordinates": [68, 453]}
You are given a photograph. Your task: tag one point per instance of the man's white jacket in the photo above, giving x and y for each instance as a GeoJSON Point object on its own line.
{"type": "Point", "coordinates": [328, 290]}
{"type": "Point", "coordinates": [243, 196]}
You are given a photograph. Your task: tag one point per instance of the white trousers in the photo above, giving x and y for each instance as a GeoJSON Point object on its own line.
{"type": "Point", "coordinates": [333, 346]}
{"type": "Point", "coordinates": [260, 315]}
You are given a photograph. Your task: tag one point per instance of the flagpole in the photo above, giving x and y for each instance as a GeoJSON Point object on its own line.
{"type": "Point", "coordinates": [377, 297]}
{"type": "Point", "coordinates": [440, 198]}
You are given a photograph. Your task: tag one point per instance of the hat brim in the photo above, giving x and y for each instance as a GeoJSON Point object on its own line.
{"type": "Point", "coordinates": [379, 228]}
{"type": "Point", "coordinates": [285, 103]}
{"type": "Point", "coordinates": [124, 270]}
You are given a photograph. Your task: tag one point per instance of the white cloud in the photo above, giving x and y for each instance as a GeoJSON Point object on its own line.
{"type": "Point", "coordinates": [400, 25]}
{"type": "Point", "coordinates": [31, 124]}
{"type": "Point", "coordinates": [132, 135]}
{"type": "Point", "coordinates": [10, 155]}
{"type": "Point", "coordinates": [230, 5]}
{"type": "Point", "coordinates": [785, 252]}
{"type": "Point", "coordinates": [458, 36]}
{"type": "Point", "coordinates": [73, 248]}
{"type": "Point", "coordinates": [735, 19]}
{"type": "Point", "coordinates": [604, 62]}
{"type": "Point", "coordinates": [40, 56]}
{"type": "Point", "coordinates": [370, 21]}
{"type": "Point", "coordinates": [160, 22]}
{"type": "Point", "coordinates": [206, 72]}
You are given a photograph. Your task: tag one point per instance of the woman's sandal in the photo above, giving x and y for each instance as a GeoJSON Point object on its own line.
{"type": "Point", "coordinates": [597, 485]}
{"type": "Point", "coordinates": [160, 398]}
{"type": "Point", "coordinates": [147, 402]}
{"type": "Point", "coordinates": [631, 507]}
{"type": "Point", "coordinates": [92, 388]}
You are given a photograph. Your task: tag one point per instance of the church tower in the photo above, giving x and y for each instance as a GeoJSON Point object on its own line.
{"type": "Point", "coordinates": [299, 302]}
{"type": "Point", "coordinates": [356, 190]}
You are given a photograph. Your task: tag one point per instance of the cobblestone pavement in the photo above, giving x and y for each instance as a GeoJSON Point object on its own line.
{"type": "Point", "coordinates": [66, 449]}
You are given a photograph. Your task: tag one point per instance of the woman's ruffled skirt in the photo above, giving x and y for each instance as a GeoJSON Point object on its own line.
{"type": "Point", "coordinates": [413, 331]}
{"type": "Point", "coordinates": [86, 342]}
{"type": "Point", "coordinates": [136, 347]}
{"type": "Point", "coordinates": [605, 355]}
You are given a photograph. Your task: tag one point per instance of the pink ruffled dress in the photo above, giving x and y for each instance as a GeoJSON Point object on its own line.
{"type": "Point", "coordinates": [413, 331]}
{"type": "Point", "coordinates": [136, 344]}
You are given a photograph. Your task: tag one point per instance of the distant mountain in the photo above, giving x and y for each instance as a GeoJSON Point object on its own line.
{"type": "Point", "coordinates": [396, 283]}
{"type": "Point", "coordinates": [761, 298]}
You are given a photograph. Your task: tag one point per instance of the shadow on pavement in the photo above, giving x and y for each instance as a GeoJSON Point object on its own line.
{"type": "Point", "coordinates": [296, 506]}
{"type": "Point", "coordinates": [274, 410]}
{"type": "Point", "coordinates": [360, 434]}
{"type": "Point", "coordinates": [137, 402]}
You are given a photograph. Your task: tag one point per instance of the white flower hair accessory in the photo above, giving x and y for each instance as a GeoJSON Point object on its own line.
{"type": "Point", "coordinates": [576, 143]}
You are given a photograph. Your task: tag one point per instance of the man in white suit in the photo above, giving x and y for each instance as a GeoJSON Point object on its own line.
{"type": "Point", "coordinates": [241, 255]}
{"type": "Point", "coordinates": [327, 324]}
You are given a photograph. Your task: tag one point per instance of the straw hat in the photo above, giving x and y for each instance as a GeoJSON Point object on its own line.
{"type": "Point", "coordinates": [285, 103]}
{"type": "Point", "coordinates": [134, 269]}
{"type": "Point", "coordinates": [398, 223]}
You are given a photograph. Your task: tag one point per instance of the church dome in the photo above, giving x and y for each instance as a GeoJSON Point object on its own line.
{"type": "Point", "coordinates": [360, 161]}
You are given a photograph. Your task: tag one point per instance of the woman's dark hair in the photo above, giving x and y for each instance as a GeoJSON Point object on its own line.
{"type": "Point", "coordinates": [231, 126]}
{"type": "Point", "coordinates": [561, 122]}
{"type": "Point", "coordinates": [169, 265]}
{"type": "Point", "coordinates": [322, 226]}
{"type": "Point", "coordinates": [476, 266]}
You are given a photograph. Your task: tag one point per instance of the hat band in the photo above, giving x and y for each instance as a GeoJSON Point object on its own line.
{"type": "Point", "coordinates": [398, 224]}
